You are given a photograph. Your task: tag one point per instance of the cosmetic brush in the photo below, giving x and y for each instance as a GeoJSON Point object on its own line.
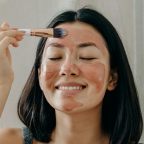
{"type": "Point", "coordinates": [46, 32]}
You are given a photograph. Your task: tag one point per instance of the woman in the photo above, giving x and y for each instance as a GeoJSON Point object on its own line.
{"type": "Point", "coordinates": [81, 88]}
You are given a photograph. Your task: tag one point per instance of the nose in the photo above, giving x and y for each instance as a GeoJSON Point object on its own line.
{"type": "Point", "coordinates": [69, 68]}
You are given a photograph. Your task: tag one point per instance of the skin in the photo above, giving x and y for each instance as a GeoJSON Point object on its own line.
{"type": "Point", "coordinates": [78, 112]}
{"type": "Point", "coordinates": [63, 64]}
{"type": "Point", "coordinates": [71, 67]}
{"type": "Point", "coordinates": [8, 37]}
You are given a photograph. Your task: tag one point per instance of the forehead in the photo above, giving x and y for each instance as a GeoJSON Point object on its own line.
{"type": "Point", "coordinates": [79, 32]}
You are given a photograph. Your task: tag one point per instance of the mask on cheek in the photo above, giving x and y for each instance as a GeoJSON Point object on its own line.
{"type": "Point", "coordinates": [47, 77]}
{"type": "Point", "coordinates": [95, 74]}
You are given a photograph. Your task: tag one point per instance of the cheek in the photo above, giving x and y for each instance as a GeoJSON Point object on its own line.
{"type": "Point", "coordinates": [95, 74]}
{"type": "Point", "coordinates": [48, 77]}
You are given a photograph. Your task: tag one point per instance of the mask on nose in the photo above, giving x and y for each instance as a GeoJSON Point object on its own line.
{"type": "Point", "coordinates": [64, 67]}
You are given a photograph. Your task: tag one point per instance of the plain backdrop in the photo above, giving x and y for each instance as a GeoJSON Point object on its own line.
{"type": "Point", "coordinates": [126, 15]}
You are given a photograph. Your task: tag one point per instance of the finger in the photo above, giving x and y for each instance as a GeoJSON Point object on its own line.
{"type": "Point", "coordinates": [19, 37]}
{"type": "Point", "coordinates": [10, 33]}
{"type": "Point", "coordinates": [4, 26]}
{"type": "Point", "coordinates": [5, 42]}
{"type": "Point", "coordinates": [4, 50]}
{"type": "Point", "coordinates": [15, 44]}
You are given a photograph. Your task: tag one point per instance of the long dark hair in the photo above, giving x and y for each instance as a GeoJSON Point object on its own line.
{"type": "Point", "coordinates": [121, 114]}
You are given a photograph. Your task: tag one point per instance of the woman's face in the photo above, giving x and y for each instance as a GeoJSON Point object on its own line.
{"type": "Point", "coordinates": [75, 69]}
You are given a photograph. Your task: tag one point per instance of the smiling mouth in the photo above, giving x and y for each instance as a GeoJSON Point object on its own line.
{"type": "Point", "coordinates": [70, 88]}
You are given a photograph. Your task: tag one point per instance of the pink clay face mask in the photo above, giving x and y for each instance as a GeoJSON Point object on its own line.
{"type": "Point", "coordinates": [82, 51]}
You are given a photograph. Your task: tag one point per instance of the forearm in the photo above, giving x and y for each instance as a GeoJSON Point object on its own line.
{"type": "Point", "coordinates": [4, 92]}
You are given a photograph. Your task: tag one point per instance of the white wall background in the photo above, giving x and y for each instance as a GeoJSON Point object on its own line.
{"type": "Point", "coordinates": [126, 15]}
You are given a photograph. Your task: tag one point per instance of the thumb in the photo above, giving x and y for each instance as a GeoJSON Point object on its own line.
{"type": "Point", "coordinates": [5, 26]}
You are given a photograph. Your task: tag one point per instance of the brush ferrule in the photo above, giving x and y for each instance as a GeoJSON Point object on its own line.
{"type": "Point", "coordinates": [26, 31]}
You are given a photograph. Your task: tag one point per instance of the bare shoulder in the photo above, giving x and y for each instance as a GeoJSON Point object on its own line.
{"type": "Point", "coordinates": [11, 136]}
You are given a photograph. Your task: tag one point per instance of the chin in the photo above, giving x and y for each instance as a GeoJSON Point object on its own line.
{"type": "Point", "coordinates": [71, 106]}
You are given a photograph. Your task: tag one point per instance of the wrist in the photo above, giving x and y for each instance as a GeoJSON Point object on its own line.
{"type": "Point", "coordinates": [6, 82]}
{"type": "Point", "coordinates": [4, 92]}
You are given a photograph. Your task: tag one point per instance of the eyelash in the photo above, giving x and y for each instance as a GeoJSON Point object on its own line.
{"type": "Point", "coordinates": [82, 58]}
{"type": "Point", "coordinates": [54, 59]}
{"type": "Point", "coordinates": [87, 58]}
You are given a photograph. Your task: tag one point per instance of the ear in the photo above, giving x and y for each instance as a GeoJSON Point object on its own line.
{"type": "Point", "coordinates": [113, 79]}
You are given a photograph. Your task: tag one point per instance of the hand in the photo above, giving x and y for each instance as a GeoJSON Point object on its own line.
{"type": "Point", "coordinates": [8, 37]}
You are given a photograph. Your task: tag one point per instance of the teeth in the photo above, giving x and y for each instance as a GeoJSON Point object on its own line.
{"type": "Point", "coordinates": [70, 87]}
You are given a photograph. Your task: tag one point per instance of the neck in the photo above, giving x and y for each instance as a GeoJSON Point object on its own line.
{"type": "Point", "coordinates": [76, 128]}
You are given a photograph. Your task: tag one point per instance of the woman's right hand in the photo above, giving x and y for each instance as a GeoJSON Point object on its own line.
{"type": "Point", "coordinates": [8, 36]}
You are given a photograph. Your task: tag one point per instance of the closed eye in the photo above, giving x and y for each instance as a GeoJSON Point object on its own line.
{"type": "Point", "coordinates": [55, 59]}
{"type": "Point", "coordinates": [84, 58]}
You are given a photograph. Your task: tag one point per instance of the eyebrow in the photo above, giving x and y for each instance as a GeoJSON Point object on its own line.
{"type": "Point", "coordinates": [58, 45]}
{"type": "Point", "coordinates": [81, 45]}
{"type": "Point", "coordinates": [86, 44]}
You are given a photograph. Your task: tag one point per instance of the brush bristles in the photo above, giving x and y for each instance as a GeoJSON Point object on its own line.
{"type": "Point", "coordinates": [59, 32]}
